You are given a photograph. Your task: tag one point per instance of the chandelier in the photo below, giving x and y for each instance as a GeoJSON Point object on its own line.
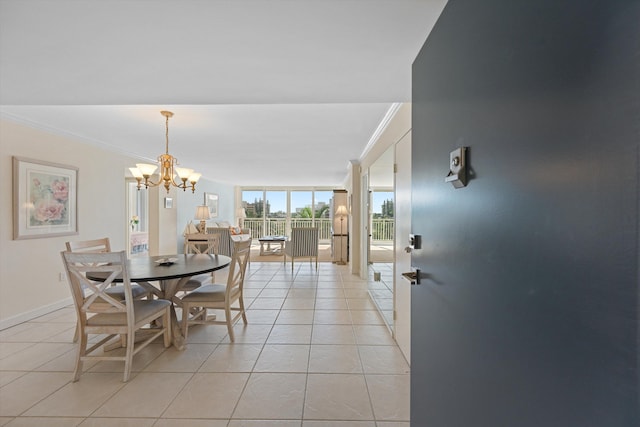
{"type": "Point", "coordinates": [168, 169]}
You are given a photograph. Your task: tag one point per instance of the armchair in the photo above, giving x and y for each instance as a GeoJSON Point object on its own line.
{"type": "Point", "coordinates": [302, 244]}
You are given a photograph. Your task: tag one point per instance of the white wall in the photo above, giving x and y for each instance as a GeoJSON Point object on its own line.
{"type": "Point", "coordinates": [29, 269]}
{"type": "Point", "coordinates": [398, 126]}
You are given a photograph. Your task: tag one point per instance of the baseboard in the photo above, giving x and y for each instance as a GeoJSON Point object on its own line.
{"type": "Point", "coordinates": [30, 315]}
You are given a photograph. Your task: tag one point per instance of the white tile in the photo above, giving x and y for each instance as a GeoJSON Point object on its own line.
{"type": "Point", "coordinates": [330, 293]}
{"type": "Point", "coordinates": [333, 334]}
{"type": "Point", "coordinates": [206, 334]}
{"type": "Point", "coordinates": [360, 304]}
{"type": "Point", "coordinates": [393, 424]}
{"type": "Point", "coordinates": [274, 293]}
{"type": "Point", "coordinates": [208, 395]}
{"type": "Point", "coordinates": [299, 304]}
{"type": "Point", "coordinates": [266, 304]}
{"type": "Point", "coordinates": [338, 424]}
{"type": "Point", "coordinates": [140, 360]}
{"type": "Point", "coordinates": [272, 396]}
{"type": "Point", "coordinates": [44, 421]}
{"type": "Point", "coordinates": [373, 335]}
{"type": "Point", "coordinates": [188, 360]}
{"type": "Point", "coordinates": [383, 359]}
{"type": "Point", "coordinates": [118, 422]}
{"type": "Point", "coordinates": [33, 356]}
{"type": "Point", "coordinates": [295, 317]}
{"type": "Point", "coordinates": [337, 397]}
{"type": "Point", "coordinates": [366, 317]}
{"type": "Point", "coordinates": [331, 304]}
{"type": "Point", "coordinates": [290, 334]}
{"type": "Point", "coordinates": [390, 396]}
{"type": "Point", "coordinates": [9, 348]}
{"type": "Point", "coordinates": [249, 334]}
{"type": "Point", "coordinates": [7, 377]}
{"type": "Point", "coordinates": [79, 399]}
{"type": "Point", "coordinates": [283, 358]}
{"type": "Point", "coordinates": [334, 359]}
{"type": "Point", "coordinates": [181, 422]}
{"type": "Point", "coordinates": [136, 400]}
{"type": "Point", "coordinates": [265, 423]}
{"type": "Point", "coordinates": [262, 317]}
{"type": "Point", "coordinates": [29, 389]}
{"type": "Point", "coordinates": [232, 358]}
{"type": "Point", "coordinates": [332, 317]}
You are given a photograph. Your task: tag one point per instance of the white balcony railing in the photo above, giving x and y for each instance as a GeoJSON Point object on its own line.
{"type": "Point", "coordinates": [382, 229]}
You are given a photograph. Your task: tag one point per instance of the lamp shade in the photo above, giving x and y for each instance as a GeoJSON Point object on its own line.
{"type": "Point", "coordinates": [241, 213]}
{"type": "Point", "coordinates": [202, 213]}
{"type": "Point", "coordinates": [342, 211]}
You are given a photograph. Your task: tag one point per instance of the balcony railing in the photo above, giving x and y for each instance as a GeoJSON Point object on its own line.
{"type": "Point", "coordinates": [382, 229]}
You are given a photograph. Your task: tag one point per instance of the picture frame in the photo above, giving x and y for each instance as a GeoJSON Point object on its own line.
{"type": "Point", "coordinates": [211, 200]}
{"type": "Point", "coordinates": [45, 199]}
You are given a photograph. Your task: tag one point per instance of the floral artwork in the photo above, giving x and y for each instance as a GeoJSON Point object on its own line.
{"type": "Point", "coordinates": [50, 199]}
{"type": "Point", "coordinates": [135, 219]}
{"type": "Point", "coordinates": [44, 199]}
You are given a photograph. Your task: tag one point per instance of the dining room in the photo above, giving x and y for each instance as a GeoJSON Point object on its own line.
{"type": "Point", "coordinates": [309, 330]}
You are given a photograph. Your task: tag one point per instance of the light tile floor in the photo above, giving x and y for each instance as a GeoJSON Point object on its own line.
{"type": "Point", "coordinates": [316, 353]}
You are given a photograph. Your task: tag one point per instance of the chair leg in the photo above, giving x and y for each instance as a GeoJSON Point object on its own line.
{"type": "Point", "coordinates": [244, 315]}
{"type": "Point", "coordinates": [128, 360]}
{"type": "Point", "coordinates": [166, 322]}
{"type": "Point", "coordinates": [227, 313]}
{"type": "Point", "coordinates": [185, 320]}
{"type": "Point", "coordinates": [76, 334]}
{"type": "Point", "coordinates": [82, 351]}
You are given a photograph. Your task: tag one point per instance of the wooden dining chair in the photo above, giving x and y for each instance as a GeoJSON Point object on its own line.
{"type": "Point", "coordinates": [100, 313]}
{"type": "Point", "coordinates": [101, 246]}
{"type": "Point", "coordinates": [199, 243]}
{"type": "Point", "coordinates": [218, 296]}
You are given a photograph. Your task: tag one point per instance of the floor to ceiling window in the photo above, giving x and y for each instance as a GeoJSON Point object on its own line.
{"type": "Point", "coordinates": [273, 212]}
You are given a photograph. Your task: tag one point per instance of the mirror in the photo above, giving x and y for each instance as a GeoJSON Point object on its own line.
{"type": "Point", "coordinates": [382, 233]}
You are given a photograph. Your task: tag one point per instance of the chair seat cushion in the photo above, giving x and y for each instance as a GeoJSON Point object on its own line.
{"type": "Point", "coordinates": [212, 293]}
{"type": "Point", "coordinates": [118, 291]}
{"type": "Point", "coordinates": [196, 281]}
{"type": "Point", "coordinates": [141, 309]}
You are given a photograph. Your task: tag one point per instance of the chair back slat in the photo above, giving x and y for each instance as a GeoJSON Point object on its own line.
{"type": "Point", "coordinates": [304, 241]}
{"type": "Point", "coordinates": [96, 245]}
{"type": "Point", "coordinates": [238, 266]}
{"type": "Point", "coordinates": [202, 243]}
{"type": "Point", "coordinates": [90, 296]}
{"type": "Point", "coordinates": [226, 247]}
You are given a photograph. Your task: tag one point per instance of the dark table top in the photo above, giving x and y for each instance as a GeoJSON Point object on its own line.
{"type": "Point", "coordinates": [147, 269]}
{"type": "Point", "coordinates": [272, 239]}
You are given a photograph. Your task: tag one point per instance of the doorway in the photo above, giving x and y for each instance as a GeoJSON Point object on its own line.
{"type": "Point", "coordinates": [137, 206]}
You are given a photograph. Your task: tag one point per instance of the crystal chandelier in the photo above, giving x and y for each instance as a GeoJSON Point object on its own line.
{"type": "Point", "coordinates": [168, 169]}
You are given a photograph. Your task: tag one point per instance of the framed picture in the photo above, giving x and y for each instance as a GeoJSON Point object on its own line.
{"type": "Point", "coordinates": [45, 199]}
{"type": "Point", "coordinates": [211, 200]}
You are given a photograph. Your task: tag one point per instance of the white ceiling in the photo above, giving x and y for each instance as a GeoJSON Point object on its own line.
{"type": "Point", "coordinates": [265, 92]}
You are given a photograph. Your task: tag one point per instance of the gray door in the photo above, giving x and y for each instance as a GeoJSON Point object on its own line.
{"type": "Point", "coordinates": [527, 315]}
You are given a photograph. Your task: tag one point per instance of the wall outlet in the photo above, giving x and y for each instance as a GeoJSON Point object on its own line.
{"type": "Point", "coordinates": [60, 277]}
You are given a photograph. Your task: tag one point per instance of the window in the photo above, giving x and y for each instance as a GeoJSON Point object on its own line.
{"type": "Point", "coordinates": [272, 212]}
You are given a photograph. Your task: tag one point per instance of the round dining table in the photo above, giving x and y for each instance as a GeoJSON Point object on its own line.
{"type": "Point", "coordinates": [171, 272]}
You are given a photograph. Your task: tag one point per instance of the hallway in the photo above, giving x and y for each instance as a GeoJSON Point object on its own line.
{"type": "Point", "coordinates": [316, 353]}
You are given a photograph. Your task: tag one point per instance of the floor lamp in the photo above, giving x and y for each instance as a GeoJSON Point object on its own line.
{"type": "Point", "coordinates": [341, 212]}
